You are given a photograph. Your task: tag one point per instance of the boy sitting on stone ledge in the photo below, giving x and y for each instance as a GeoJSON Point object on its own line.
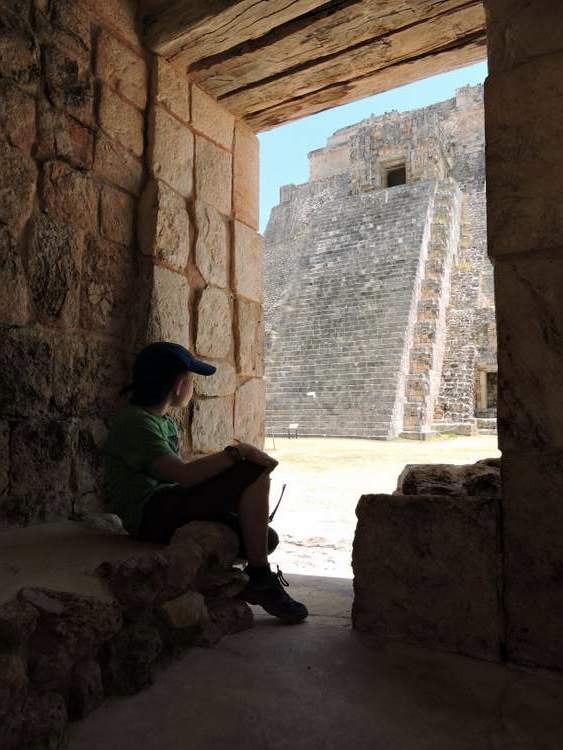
{"type": "Point", "coordinates": [154, 491]}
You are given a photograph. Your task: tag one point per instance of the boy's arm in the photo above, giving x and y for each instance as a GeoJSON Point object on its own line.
{"type": "Point", "coordinates": [172, 468]}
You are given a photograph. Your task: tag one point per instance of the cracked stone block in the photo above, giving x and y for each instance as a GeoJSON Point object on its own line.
{"type": "Point", "coordinates": [70, 195]}
{"type": "Point", "coordinates": [117, 215]}
{"type": "Point", "coordinates": [122, 121]}
{"type": "Point", "coordinates": [17, 186]}
{"type": "Point", "coordinates": [19, 55]}
{"type": "Point", "coordinates": [17, 115]}
{"type": "Point", "coordinates": [214, 324]}
{"type": "Point", "coordinates": [114, 163]}
{"type": "Point", "coordinates": [60, 136]}
{"type": "Point", "coordinates": [171, 151]}
{"type": "Point", "coordinates": [69, 84]}
{"type": "Point", "coordinates": [171, 88]}
{"type": "Point", "coordinates": [212, 119]}
{"type": "Point", "coordinates": [212, 425]}
{"type": "Point", "coordinates": [250, 407]}
{"type": "Point", "coordinates": [121, 68]}
{"type": "Point", "coordinates": [164, 228]}
{"type": "Point", "coordinates": [212, 245]}
{"type": "Point", "coordinates": [213, 175]}
{"type": "Point", "coordinates": [427, 572]}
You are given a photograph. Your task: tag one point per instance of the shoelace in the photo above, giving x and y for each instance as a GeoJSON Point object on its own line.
{"type": "Point", "coordinates": [281, 579]}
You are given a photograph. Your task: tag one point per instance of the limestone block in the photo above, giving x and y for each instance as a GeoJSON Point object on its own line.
{"type": "Point", "coordinates": [119, 15]}
{"type": "Point", "coordinates": [60, 136]}
{"type": "Point", "coordinates": [70, 196]}
{"type": "Point", "coordinates": [533, 552]}
{"type": "Point", "coordinates": [221, 583]}
{"type": "Point", "coordinates": [519, 31]}
{"type": "Point", "coordinates": [222, 383]}
{"type": "Point", "coordinates": [122, 121]}
{"type": "Point", "coordinates": [246, 176]}
{"type": "Point", "coordinates": [230, 615]}
{"type": "Point", "coordinates": [212, 425]}
{"type": "Point", "coordinates": [213, 175]}
{"type": "Point", "coordinates": [65, 24]}
{"type": "Point", "coordinates": [19, 55]}
{"type": "Point", "coordinates": [214, 324]}
{"type": "Point", "coordinates": [446, 479]}
{"type": "Point", "coordinates": [169, 316]}
{"type": "Point", "coordinates": [127, 662]}
{"type": "Point", "coordinates": [121, 68]}
{"type": "Point", "coordinates": [217, 542]}
{"type": "Point", "coordinates": [212, 245]}
{"type": "Point", "coordinates": [69, 84]}
{"type": "Point", "coordinates": [17, 115]}
{"type": "Point", "coordinates": [529, 356]}
{"type": "Point", "coordinates": [86, 691]}
{"type": "Point", "coordinates": [116, 164]}
{"type": "Point", "coordinates": [41, 456]}
{"type": "Point", "coordinates": [427, 571]}
{"type": "Point", "coordinates": [250, 406]}
{"type": "Point", "coordinates": [14, 301]}
{"type": "Point", "coordinates": [13, 681]}
{"type": "Point", "coordinates": [28, 353]}
{"type": "Point", "coordinates": [248, 263]}
{"type": "Point", "coordinates": [17, 186]}
{"type": "Point", "coordinates": [88, 461]}
{"type": "Point", "coordinates": [250, 336]}
{"type": "Point", "coordinates": [4, 457]}
{"type": "Point", "coordinates": [117, 215]}
{"type": "Point", "coordinates": [212, 119]}
{"type": "Point", "coordinates": [185, 611]}
{"type": "Point", "coordinates": [171, 151]}
{"type": "Point", "coordinates": [54, 262]}
{"type": "Point", "coordinates": [524, 161]}
{"type": "Point", "coordinates": [170, 88]}
{"type": "Point", "coordinates": [164, 225]}
{"type": "Point", "coordinates": [40, 722]}
{"type": "Point", "coordinates": [87, 376]}
{"type": "Point", "coordinates": [107, 279]}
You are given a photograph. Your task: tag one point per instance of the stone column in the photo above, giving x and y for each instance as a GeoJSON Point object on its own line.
{"type": "Point", "coordinates": [524, 133]}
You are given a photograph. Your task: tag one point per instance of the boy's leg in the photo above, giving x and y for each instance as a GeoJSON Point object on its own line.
{"type": "Point", "coordinates": [253, 508]}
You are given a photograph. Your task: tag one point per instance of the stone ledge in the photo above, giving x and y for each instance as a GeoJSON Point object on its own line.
{"type": "Point", "coordinates": [87, 613]}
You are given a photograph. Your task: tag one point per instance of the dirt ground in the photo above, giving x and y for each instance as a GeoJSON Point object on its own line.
{"type": "Point", "coordinates": [325, 478]}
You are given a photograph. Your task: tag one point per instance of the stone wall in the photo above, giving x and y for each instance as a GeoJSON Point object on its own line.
{"type": "Point", "coordinates": [345, 224]}
{"type": "Point", "coordinates": [128, 213]}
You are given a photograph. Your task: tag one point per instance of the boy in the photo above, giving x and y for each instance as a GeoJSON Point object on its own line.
{"type": "Point", "coordinates": [154, 491]}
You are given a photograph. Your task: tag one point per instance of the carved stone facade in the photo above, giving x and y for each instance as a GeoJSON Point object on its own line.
{"type": "Point", "coordinates": [379, 306]}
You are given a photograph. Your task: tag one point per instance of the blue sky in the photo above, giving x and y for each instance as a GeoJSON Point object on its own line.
{"type": "Point", "coordinates": [283, 151]}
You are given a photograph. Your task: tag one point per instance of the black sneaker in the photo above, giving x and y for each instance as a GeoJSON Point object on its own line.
{"type": "Point", "coordinates": [269, 592]}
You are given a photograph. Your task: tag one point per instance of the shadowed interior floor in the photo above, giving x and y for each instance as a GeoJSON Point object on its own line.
{"type": "Point", "coordinates": [320, 685]}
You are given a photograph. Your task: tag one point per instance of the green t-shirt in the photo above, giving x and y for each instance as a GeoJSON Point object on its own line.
{"type": "Point", "coordinates": [136, 438]}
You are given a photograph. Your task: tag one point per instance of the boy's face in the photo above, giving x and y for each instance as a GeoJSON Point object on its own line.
{"type": "Point", "coordinates": [183, 391]}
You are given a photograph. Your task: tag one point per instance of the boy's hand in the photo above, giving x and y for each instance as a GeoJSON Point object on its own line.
{"type": "Point", "coordinates": [251, 453]}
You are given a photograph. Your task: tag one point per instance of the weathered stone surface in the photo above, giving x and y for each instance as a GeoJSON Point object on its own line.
{"type": "Point", "coordinates": [118, 15]}
{"type": "Point", "coordinates": [122, 121]}
{"type": "Point", "coordinates": [4, 456]}
{"type": "Point", "coordinates": [13, 681]}
{"type": "Point", "coordinates": [60, 136]}
{"type": "Point", "coordinates": [211, 119]}
{"type": "Point", "coordinates": [533, 550]}
{"type": "Point", "coordinates": [214, 324]}
{"type": "Point", "coordinates": [524, 172]}
{"type": "Point", "coordinates": [213, 175]}
{"type": "Point", "coordinates": [248, 263]}
{"type": "Point", "coordinates": [117, 215]}
{"type": "Point", "coordinates": [122, 69]}
{"type": "Point", "coordinates": [250, 403]}
{"type": "Point", "coordinates": [170, 88]}
{"type": "Point", "coordinates": [14, 301]}
{"type": "Point", "coordinates": [54, 262]}
{"type": "Point", "coordinates": [426, 571]}
{"type": "Point", "coordinates": [70, 195]}
{"type": "Point", "coordinates": [169, 317]}
{"type": "Point", "coordinates": [530, 397]}
{"type": "Point", "coordinates": [152, 580]}
{"type": "Point", "coordinates": [230, 615]}
{"type": "Point", "coordinates": [185, 611]}
{"type": "Point", "coordinates": [116, 164]}
{"type": "Point", "coordinates": [107, 276]}
{"type": "Point", "coordinates": [88, 465]}
{"type": "Point", "coordinates": [171, 151]}
{"type": "Point", "coordinates": [212, 426]}
{"type": "Point", "coordinates": [86, 689]}
{"type": "Point", "coordinates": [87, 376]}
{"type": "Point", "coordinates": [164, 225]}
{"type": "Point", "coordinates": [217, 542]}
{"type": "Point", "coordinates": [65, 24]}
{"type": "Point", "coordinates": [17, 115]}
{"type": "Point", "coordinates": [30, 355]}
{"type": "Point", "coordinates": [447, 479]}
{"type": "Point", "coordinates": [250, 335]}
{"type": "Point", "coordinates": [212, 245]}
{"type": "Point", "coordinates": [41, 452]}
{"type": "Point", "coordinates": [39, 723]}
{"type": "Point", "coordinates": [222, 383]}
{"type": "Point", "coordinates": [246, 175]}
{"type": "Point", "coordinates": [17, 185]}
{"type": "Point", "coordinates": [69, 84]}
{"type": "Point", "coordinates": [220, 584]}
{"type": "Point", "coordinates": [19, 56]}
{"type": "Point", "coordinates": [17, 624]}
{"type": "Point", "coordinates": [127, 662]}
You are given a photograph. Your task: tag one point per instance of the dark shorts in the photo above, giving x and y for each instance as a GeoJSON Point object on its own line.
{"type": "Point", "coordinates": [216, 500]}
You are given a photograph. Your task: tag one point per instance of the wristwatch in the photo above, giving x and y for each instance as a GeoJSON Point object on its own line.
{"type": "Point", "coordinates": [233, 452]}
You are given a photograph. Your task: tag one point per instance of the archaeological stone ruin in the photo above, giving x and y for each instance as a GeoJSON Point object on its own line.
{"type": "Point", "coordinates": [379, 292]}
